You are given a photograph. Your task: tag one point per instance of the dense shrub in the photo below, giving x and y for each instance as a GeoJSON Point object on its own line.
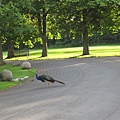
{"type": "Point", "coordinates": [96, 39]}
{"type": "Point", "coordinates": [105, 39]}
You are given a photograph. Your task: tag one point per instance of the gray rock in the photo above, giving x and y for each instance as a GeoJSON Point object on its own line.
{"type": "Point", "coordinates": [26, 65]}
{"type": "Point", "coordinates": [4, 62]}
{"type": "Point", "coordinates": [16, 63]}
{"type": "Point", "coordinates": [6, 75]}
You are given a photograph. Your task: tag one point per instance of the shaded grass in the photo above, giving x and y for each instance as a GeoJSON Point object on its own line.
{"type": "Point", "coordinates": [17, 73]}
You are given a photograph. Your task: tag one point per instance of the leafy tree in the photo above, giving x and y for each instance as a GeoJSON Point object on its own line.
{"type": "Point", "coordinates": [87, 17]}
{"type": "Point", "coordinates": [40, 12]}
{"type": "Point", "coordinates": [1, 55]}
{"type": "Point", "coordinates": [15, 24]}
{"type": "Point", "coordinates": [12, 20]}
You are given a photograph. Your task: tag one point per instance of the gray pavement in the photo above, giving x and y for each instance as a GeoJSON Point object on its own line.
{"type": "Point", "coordinates": [92, 92]}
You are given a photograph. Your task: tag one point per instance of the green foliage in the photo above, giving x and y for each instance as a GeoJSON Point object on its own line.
{"type": "Point", "coordinates": [16, 26]}
{"type": "Point", "coordinates": [105, 39]}
{"type": "Point", "coordinates": [99, 14]}
{"type": "Point", "coordinates": [65, 20]}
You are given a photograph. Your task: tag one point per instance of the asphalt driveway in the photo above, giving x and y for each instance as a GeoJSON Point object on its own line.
{"type": "Point", "coordinates": [92, 92]}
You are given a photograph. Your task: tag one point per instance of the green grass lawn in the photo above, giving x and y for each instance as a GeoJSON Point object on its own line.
{"type": "Point", "coordinates": [6, 85]}
{"type": "Point", "coordinates": [103, 51]}
{"type": "Point", "coordinates": [58, 53]}
{"type": "Point", "coordinates": [74, 52]}
{"type": "Point", "coordinates": [17, 73]}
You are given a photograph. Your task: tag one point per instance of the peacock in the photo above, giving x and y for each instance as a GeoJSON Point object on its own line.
{"type": "Point", "coordinates": [47, 78]}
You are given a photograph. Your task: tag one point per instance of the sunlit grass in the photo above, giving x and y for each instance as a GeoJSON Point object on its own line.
{"type": "Point", "coordinates": [17, 73]}
{"type": "Point", "coordinates": [104, 51]}
{"type": "Point", "coordinates": [59, 53]}
{"type": "Point", "coordinates": [73, 52]}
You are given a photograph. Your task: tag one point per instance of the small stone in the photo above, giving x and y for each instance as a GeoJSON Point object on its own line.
{"type": "Point", "coordinates": [15, 80]}
{"type": "Point", "coordinates": [26, 77]}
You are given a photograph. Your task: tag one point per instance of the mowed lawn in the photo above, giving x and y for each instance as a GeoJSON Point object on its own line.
{"type": "Point", "coordinates": [17, 73]}
{"type": "Point", "coordinates": [73, 52]}
{"type": "Point", "coordinates": [58, 53]}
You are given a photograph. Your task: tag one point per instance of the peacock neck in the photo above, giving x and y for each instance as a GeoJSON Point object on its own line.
{"type": "Point", "coordinates": [37, 76]}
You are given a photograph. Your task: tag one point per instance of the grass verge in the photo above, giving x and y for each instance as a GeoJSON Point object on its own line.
{"type": "Point", "coordinates": [6, 85]}
{"type": "Point", "coordinates": [17, 73]}
{"type": "Point", "coordinates": [58, 53]}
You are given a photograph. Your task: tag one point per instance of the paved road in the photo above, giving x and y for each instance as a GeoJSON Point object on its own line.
{"type": "Point", "coordinates": [92, 92]}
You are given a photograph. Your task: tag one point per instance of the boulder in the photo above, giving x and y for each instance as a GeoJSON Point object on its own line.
{"type": "Point", "coordinates": [16, 63]}
{"type": "Point", "coordinates": [6, 75]}
{"type": "Point", "coordinates": [4, 62]}
{"type": "Point", "coordinates": [26, 65]}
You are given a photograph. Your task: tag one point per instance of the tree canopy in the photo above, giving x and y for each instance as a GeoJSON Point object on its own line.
{"type": "Point", "coordinates": [26, 21]}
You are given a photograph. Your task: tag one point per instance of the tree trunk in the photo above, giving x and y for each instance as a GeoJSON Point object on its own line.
{"type": "Point", "coordinates": [85, 42]}
{"type": "Point", "coordinates": [1, 54]}
{"type": "Point", "coordinates": [42, 31]}
{"type": "Point", "coordinates": [10, 49]}
{"type": "Point", "coordinates": [44, 38]}
{"type": "Point", "coordinates": [85, 34]}
{"type": "Point", "coordinates": [44, 46]}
